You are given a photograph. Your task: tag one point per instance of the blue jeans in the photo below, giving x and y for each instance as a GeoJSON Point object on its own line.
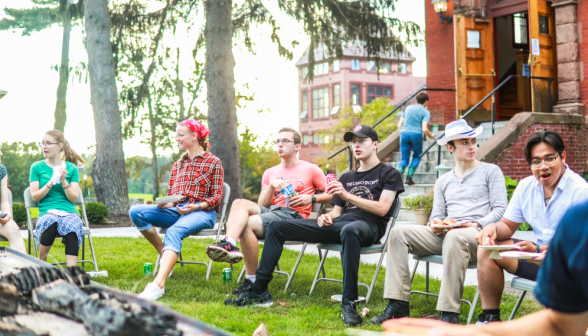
{"type": "Point", "coordinates": [408, 141]}
{"type": "Point", "coordinates": [145, 216]}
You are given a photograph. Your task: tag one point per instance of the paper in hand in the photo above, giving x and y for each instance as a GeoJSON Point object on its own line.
{"type": "Point", "coordinates": [56, 178]}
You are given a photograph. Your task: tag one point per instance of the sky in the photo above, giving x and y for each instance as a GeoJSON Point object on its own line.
{"type": "Point", "coordinates": [26, 62]}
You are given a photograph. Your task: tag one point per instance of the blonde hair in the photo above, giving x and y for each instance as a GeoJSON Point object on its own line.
{"type": "Point", "coordinates": [203, 143]}
{"type": "Point", "coordinates": [67, 154]}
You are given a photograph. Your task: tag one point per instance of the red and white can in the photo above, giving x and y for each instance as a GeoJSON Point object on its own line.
{"type": "Point", "coordinates": [330, 178]}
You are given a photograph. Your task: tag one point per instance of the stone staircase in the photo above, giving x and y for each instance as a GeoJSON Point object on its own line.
{"type": "Point", "coordinates": [426, 174]}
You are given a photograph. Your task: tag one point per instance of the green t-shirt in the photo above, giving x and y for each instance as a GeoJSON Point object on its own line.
{"type": "Point", "coordinates": [55, 198]}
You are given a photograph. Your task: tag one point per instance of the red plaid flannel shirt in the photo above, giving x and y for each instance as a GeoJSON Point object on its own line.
{"type": "Point", "coordinates": [199, 180]}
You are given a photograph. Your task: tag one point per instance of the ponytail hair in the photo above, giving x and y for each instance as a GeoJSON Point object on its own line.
{"type": "Point", "coordinates": [203, 142]}
{"type": "Point", "coordinates": [67, 153]}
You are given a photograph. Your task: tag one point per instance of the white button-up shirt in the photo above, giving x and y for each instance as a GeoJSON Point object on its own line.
{"type": "Point", "coordinates": [528, 203]}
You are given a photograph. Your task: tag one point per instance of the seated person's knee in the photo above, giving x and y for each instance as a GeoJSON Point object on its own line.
{"type": "Point", "coordinates": [348, 230]}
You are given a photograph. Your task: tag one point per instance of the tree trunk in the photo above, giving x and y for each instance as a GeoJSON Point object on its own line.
{"type": "Point", "coordinates": [108, 171]}
{"type": "Point", "coordinates": [222, 118]}
{"type": "Point", "coordinates": [153, 144]}
{"type": "Point", "coordinates": [60, 115]}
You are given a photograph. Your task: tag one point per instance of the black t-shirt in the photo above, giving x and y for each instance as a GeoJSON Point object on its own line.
{"type": "Point", "coordinates": [562, 284]}
{"type": "Point", "coordinates": [369, 185]}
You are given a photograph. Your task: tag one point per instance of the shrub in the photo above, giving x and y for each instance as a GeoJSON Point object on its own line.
{"type": "Point", "coordinates": [419, 203]}
{"type": "Point", "coordinates": [19, 214]}
{"type": "Point", "coordinates": [97, 212]}
{"type": "Point", "coordinates": [511, 185]}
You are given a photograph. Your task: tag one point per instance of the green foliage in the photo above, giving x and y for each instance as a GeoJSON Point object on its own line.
{"type": "Point", "coordinates": [419, 203]}
{"type": "Point", "coordinates": [96, 212]}
{"type": "Point", "coordinates": [511, 185]}
{"type": "Point", "coordinates": [254, 161]}
{"type": "Point", "coordinates": [19, 214]}
{"type": "Point", "coordinates": [18, 158]}
{"type": "Point", "coordinates": [348, 118]}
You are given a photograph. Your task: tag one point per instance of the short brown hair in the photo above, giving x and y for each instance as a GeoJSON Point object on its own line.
{"type": "Point", "coordinates": [422, 97]}
{"type": "Point", "coordinates": [295, 134]}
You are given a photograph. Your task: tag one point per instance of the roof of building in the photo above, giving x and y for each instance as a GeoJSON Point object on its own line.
{"type": "Point", "coordinates": [321, 53]}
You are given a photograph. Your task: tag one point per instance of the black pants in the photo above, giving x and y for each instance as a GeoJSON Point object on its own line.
{"type": "Point", "coordinates": [70, 240]}
{"type": "Point", "coordinates": [351, 230]}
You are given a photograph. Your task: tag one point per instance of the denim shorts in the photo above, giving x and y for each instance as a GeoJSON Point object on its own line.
{"type": "Point", "coordinates": [275, 213]}
{"type": "Point", "coordinates": [145, 216]}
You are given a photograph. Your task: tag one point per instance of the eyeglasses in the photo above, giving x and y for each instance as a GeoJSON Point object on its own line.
{"type": "Point", "coordinates": [47, 144]}
{"type": "Point", "coordinates": [283, 141]}
{"type": "Point", "coordinates": [549, 162]}
{"type": "Point", "coordinates": [359, 141]}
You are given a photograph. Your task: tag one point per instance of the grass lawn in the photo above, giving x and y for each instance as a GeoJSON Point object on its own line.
{"type": "Point", "coordinates": [293, 313]}
{"type": "Point", "coordinates": [145, 197]}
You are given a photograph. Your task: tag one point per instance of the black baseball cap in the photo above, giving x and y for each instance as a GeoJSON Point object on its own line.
{"type": "Point", "coordinates": [361, 131]}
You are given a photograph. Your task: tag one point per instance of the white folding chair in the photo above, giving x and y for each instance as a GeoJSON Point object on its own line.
{"type": "Point", "coordinates": [317, 209]}
{"type": "Point", "coordinates": [438, 259]}
{"type": "Point", "coordinates": [2, 238]}
{"type": "Point", "coordinates": [218, 231]}
{"type": "Point", "coordinates": [526, 286]}
{"type": "Point", "coordinates": [29, 203]}
{"type": "Point", "coordinates": [376, 248]}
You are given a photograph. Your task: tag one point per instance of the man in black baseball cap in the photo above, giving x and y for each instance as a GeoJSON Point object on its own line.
{"type": "Point", "coordinates": [362, 206]}
{"type": "Point", "coordinates": [361, 131]}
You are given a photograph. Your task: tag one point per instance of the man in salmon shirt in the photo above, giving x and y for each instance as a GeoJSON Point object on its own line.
{"type": "Point", "coordinates": [248, 221]}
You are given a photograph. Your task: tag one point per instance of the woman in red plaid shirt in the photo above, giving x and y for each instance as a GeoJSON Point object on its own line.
{"type": "Point", "coordinates": [198, 178]}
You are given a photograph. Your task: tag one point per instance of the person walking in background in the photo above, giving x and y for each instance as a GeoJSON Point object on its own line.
{"type": "Point", "coordinates": [414, 122]}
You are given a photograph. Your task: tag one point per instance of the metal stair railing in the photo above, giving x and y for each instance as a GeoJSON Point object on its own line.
{"type": "Point", "coordinates": [493, 95]}
{"type": "Point", "coordinates": [398, 106]}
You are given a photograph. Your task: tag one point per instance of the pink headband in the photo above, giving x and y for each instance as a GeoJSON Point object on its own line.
{"type": "Point", "coordinates": [196, 127]}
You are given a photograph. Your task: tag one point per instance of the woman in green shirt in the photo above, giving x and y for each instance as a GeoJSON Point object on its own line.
{"type": "Point", "coordinates": [55, 188]}
{"type": "Point", "coordinates": [8, 227]}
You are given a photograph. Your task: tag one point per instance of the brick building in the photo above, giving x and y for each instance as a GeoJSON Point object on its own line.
{"type": "Point", "coordinates": [488, 41]}
{"type": "Point", "coordinates": [351, 80]}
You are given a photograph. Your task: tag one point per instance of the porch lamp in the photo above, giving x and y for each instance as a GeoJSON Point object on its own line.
{"type": "Point", "coordinates": [441, 7]}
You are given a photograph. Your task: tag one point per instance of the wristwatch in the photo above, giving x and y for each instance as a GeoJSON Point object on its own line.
{"type": "Point", "coordinates": [313, 199]}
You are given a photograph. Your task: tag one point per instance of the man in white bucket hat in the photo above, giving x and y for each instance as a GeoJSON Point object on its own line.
{"type": "Point", "coordinates": [472, 194]}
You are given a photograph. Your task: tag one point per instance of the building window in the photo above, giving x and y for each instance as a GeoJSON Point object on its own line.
{"type": "Point", "coordinates": [402, 68]}
{"type": "Point", "coordinates": [336, 65]}
{"type": "Point", "coordinates": [355, 94]}
{"type": "Point", "coordinates": [320, 103]}
{"type": "Point", "coordinates": [304, 105]}
{"type": "Point", "coordinates": [371, 66]}
{"type": "Point", "coordinates": [336, 99]}
{"type": "Point", "coordinates": [304, 72]}
{"type": "Point", "coordinates": [474, 37]}
{"type": "Point", "coordinates": [384, 67]}
{"type": "Point", "coordinates": [321, 68]}
{"type": "Point", "coordinates": [520, 30]}
{"type": "Point", "coordinates": [355, 64]}
{"type": "Point", "coordinates": [305, 139]}
{"type": "Point", "coordinates": [543, 24]}
{"type": "Point", "coordinates": [319, 139]}
{"type": "Point", "coordinates": [378, 91]}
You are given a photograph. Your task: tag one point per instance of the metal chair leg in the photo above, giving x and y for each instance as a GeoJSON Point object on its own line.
{"type": "Point", "coordinates": [209, 270]}
{"type": "Point", "coordinates": [473, 305]}
{"type": "Point", "coordinates": [156, 268]}
{"type": "Point", "coordinates": [83, 249]}
{"type": "Point", "coordinates": [367, 298]}
{"type": "Point", "coordinates": [241, 274]}
{"type": "Point", "coordinates": [320, 258]}
{"type": "Point", "coordinates": [516, 307]}
{"type": "Point", "coordinates": [180, 255]}
{"type": "Point", "coordinates": [414, 268]}
{"type": "Point", "coordinates": [295, 267]}
{"type": "Point", "coordinates": [93, 254]}
{"type": "Point", "coordinates": [318, 272]}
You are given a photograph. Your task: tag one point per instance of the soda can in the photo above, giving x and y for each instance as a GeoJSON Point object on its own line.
{"type": "Point", "coordinates": [227, 275]}
{"type": "Point", "coordinates": [330, 178]}
{"type": "Point", "coordinates": [435, 129]}
{"type": "Point", "coordinates": [148, 269]}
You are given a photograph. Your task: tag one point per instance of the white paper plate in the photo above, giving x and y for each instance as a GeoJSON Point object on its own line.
{"type": "Point", "coordinates": [168, 199]}
{"type": "Point", "coordinates": [501, 247]}
{"type": "Point", "coordinates": [519, 255]}
{"type": "Point", "coordinates": [450, 226]}
{"type": "Point", "coordinates": [339, 298]}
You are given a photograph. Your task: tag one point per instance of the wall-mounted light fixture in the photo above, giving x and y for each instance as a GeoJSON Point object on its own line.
{"type": "Point", "coordinates": [441, 7]}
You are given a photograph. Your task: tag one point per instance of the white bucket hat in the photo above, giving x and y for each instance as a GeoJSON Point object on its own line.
{"type": "Point", "coordinates": [459, 130]}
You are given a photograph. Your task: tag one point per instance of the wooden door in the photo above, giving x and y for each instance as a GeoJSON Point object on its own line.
{"type": "Point", "coordinates": [542, 58]}
{"type": "Point", "coordinates": [474, 63]}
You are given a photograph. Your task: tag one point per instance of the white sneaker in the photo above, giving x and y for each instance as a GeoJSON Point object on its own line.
{"type": "Point", "coordinates": [481, 324]}
{"type": "Point", "coordinates": [152, 292]}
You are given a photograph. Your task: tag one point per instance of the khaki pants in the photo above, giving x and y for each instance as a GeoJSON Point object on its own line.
{"type": "Point", "coordinates": [458, 248]}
